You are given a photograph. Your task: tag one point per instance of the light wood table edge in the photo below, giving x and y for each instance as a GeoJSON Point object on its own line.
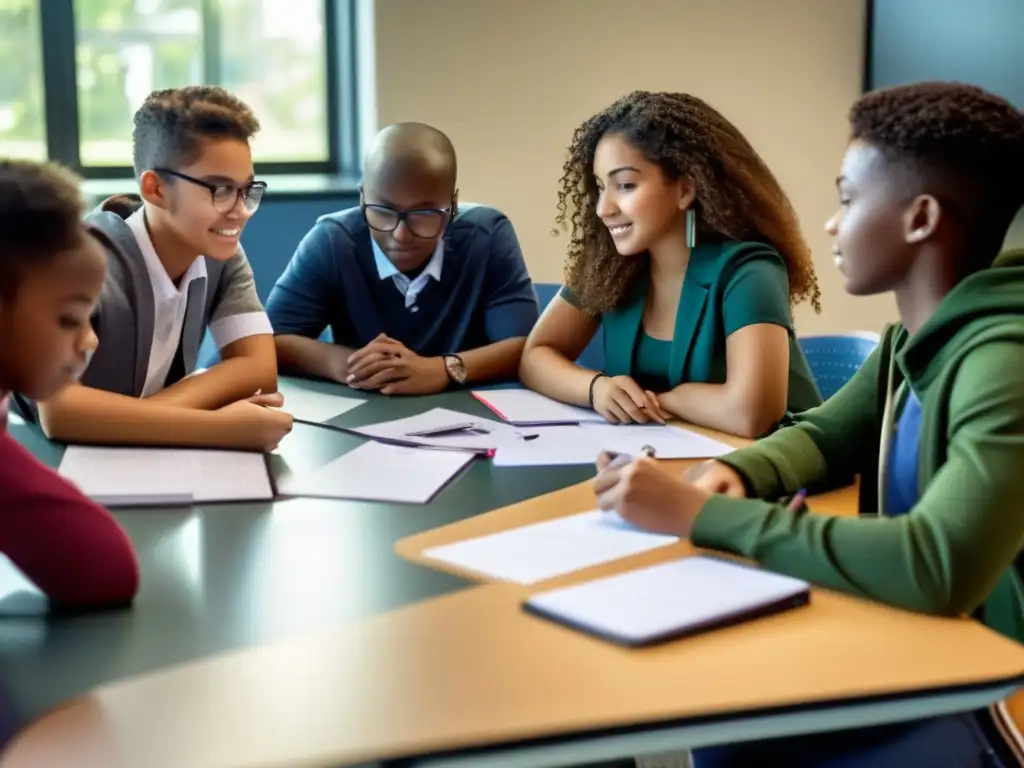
{"type": "Point", "coordinates": [303, 701]}
{"type": "Point", "coordinates": [585, 748]}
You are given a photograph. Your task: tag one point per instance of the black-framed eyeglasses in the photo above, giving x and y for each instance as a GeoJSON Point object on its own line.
{"type": "Point", "coordinates": [225, 196]}
{"type": "Point", "coordinates": [422, 222]}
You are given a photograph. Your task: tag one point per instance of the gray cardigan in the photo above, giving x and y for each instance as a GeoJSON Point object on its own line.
{"type": "Point", "coordinates": [123, 320]}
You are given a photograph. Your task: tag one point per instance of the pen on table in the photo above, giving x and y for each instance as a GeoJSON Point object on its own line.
{"type": "Point", "coordinates": [797, 502]}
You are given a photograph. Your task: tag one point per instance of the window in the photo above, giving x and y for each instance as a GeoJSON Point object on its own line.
{"type": "Point", "coordinates": [90, 64]}
{"type": "Point", "coordinates": [22, 126]}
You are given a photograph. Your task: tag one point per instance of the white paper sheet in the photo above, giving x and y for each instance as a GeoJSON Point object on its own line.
{"type": "Point", "coordinates": [668, 599]}
{"type": "Point", "coordinates": [482, 436]}
{"type": "Point", "coordinates": [313, 407]}
{"type": "Point", "coordinates": [527, 408]}
{"type": "Point", "coordinates": [542, 551]}
{"type": "Point", "coordinates": [13, 579]}
{"type": "Point", "coordinates": [380, 472]}
{"type": "Point", "coordinates": [166, 476]}
{"type": "Point", "coordinates": [581, 444]}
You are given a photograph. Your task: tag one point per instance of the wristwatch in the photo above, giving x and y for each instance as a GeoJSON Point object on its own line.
{"type": "Point", "coordinates": [456, 368]}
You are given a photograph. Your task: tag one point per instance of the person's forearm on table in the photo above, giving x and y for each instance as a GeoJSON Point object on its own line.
{"type": "Point", "coordinates": [298, 354]}
{"type": "Point", "coordinates": [81, 414]}
{"type": "Point", "coordinates": [226, 382]}
{"type": "Point", "coordinates": [720, 407]}
{"type": "Point", "coordinates": [499, 360]}
{"type": "Point", "coordinates": [549, 372]}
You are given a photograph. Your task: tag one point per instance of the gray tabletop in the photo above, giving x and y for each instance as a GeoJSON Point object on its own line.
{"type": "Point", "coordinates": [221, 577]}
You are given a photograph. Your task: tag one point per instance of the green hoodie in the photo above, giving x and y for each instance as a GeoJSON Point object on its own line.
{"type": "Point", "coordinates": [954, 552]}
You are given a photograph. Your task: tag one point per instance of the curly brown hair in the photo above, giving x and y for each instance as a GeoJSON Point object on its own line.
{"type": "Point", "coordinates": [737, 196]}
{"type": "Point", "coordinates": [956, 140]}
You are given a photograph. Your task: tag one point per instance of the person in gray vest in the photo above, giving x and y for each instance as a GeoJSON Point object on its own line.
{"type": "Point", "coordinates": [175, 268]}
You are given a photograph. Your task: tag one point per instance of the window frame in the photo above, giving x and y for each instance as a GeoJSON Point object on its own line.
{"type": "Point", "coordinates": [63, 139]}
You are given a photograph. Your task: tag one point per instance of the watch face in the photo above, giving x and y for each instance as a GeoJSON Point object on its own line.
{"type": "Point", "coordinates": [455, 368]}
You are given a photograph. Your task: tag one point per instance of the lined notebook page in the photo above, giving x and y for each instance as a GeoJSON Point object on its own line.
{"type": "Point", "coordinates": [170, 476]}
{"type": "Point", "coordinates": [544, 550]}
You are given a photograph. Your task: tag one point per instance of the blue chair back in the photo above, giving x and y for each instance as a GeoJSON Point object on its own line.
{"type": "Point", "coordinates": [834, 359]}
{"type": "Point", "coordinates": [593, 355]}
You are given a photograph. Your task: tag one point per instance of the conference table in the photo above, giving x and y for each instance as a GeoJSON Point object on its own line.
{"type": "Point", "coordinates": [317, 633]}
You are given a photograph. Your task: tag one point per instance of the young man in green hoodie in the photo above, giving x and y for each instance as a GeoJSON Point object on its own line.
{"type": "Point", "coordinates": [933, 423]}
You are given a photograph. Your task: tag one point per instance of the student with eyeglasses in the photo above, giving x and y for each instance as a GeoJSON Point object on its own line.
{"type": "Point", "coordinates": [175, 267]}
{"type": "Point", "coordinates": [418, 294]}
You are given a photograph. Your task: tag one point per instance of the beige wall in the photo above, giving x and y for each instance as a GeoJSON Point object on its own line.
{"type": "Point", "coordinates": [509, 80]}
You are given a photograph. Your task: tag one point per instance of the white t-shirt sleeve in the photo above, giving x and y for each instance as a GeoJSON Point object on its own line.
{"type": "Point", "coordinates": [239, 312]}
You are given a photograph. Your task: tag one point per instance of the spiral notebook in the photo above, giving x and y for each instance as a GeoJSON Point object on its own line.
{"type": "Point", "coordinates": [671, 600]}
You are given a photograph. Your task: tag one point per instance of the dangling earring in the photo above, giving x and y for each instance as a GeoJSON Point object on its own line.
{"type": "Point", "coordinates": [691, 229]}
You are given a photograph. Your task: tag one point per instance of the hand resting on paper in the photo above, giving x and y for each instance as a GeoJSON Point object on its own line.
{"type": "Point", "coordinates": [387, 365]}
{"type": "Point", "coordinates": [253, 427]}
{"type": "Point", "coordinates": [647, 496]}
{"type": "Point", "coordinates": [622, 401]}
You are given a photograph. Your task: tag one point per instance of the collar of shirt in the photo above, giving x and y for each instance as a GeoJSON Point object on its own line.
{"type": "Point", "coordinates": [409, 288]}
{"type": "Point", "coordinates": [163, 287]}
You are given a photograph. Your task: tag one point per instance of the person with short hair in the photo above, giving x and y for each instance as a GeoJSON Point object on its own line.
{"type": "Point", "coordinates": [175, 269]}
{"type": "Point", "coordinates": [419, 292]}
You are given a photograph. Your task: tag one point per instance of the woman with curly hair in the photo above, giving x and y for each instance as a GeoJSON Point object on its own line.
{"type": "Point", "coordinates": [686, 249]}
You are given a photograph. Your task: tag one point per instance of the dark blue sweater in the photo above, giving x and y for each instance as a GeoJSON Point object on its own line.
{"type": "Point", "coordinates": [484, 294]}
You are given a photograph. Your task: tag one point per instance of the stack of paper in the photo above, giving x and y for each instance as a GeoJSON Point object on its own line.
{"type": "Point", "coordinates": [530, 409]}
{"type": "Point", "coordinates": [166, 476]}
{"type": "Point", "coordinates": [544, 550]}
{"type": "Point", "coordinates": [371, 473]}
{"type": "Point", "coordinates": [582, 443]}
{"type": "Point", "coordinates": [670, 600]}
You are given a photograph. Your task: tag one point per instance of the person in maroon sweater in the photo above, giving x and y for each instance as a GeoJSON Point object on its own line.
{"type": "Point", "coordinates": [51, 275]}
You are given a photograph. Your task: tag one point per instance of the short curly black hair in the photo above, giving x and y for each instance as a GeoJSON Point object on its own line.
{"type": "Point", "coordinates": [40, 217]}
{"type": "Point", "coordinates": [170, 124]}
{"type": "Point", "coordinates": [957, 141]}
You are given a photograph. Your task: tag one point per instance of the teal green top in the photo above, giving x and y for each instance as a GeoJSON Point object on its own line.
{"type": "Point", "coordinates": [728, 286]}
{"type": "Point", "coordinates": [651, 362]}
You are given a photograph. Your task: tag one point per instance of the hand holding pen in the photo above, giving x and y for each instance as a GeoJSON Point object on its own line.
{"type": "Point", "coordinates": [646, 495]}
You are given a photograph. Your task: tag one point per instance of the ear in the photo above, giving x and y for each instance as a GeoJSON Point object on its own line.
{"type": "Point", "coordinates": [362, 198]}
{"type": "Point", "coordinates": [153, 189]}
{"type": "Point", "coordinates": [921, 218]}
{"type": "Point", "coordinates": [687, 193]}
{"type": "Point", "coordinates": [455, 205]}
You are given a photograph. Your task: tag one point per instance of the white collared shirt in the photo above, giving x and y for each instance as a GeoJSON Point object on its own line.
{"type": "Point", "coordinates": [169, 303]}
{"type": "Point", "coordinates": [410, 289]}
